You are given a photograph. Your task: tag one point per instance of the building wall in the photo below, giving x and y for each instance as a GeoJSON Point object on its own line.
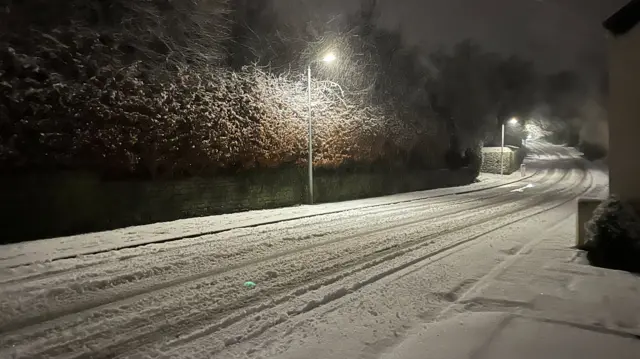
{"type": "Point", "coordinates": [624, 115]}
{"type": "Point", "coordinates": [41, 206]}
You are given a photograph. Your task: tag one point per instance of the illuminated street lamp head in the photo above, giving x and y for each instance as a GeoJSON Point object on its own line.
{"type": "Point", "coordinates": [330, 57]}
{"type": "Point", "coordinates": [513, 121]}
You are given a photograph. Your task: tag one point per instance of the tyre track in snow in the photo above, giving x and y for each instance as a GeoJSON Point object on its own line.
{"type": "Point", "coordinates": [357, 211]}
{"type": "Point", "coordinates": [417, 208]}
{"type": "Point", "coordinates": [137, 343]}
{"type": "Point", "coordinates": [8, 277]}
{"type": "Point", "coordinates": [422, 219]}
{"type": "Point", "coordinates": [329, 276]}
{"type": "Point", "coordinates": [150, 272]}
{"type": "Point", "coordinates": [343, 290]}
{"type": "Point", "coordinates": [372, 207]}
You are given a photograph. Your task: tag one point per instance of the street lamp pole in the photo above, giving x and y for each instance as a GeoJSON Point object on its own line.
{"type": "Point", "coordinates": [512, 121]}
{"type": "Point", "coordinates": [310, 139]}
{"type": "Point", "coordinates": [330, 57]}
{"type": "Point", "coordinates": [502, 152]}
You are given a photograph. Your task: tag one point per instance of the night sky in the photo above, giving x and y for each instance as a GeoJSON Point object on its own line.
{"type": "Point", "coordinates": [555, 34]}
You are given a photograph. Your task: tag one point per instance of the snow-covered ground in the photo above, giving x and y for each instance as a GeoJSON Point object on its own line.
{"type": "Point", "coordinates": [176, 289]}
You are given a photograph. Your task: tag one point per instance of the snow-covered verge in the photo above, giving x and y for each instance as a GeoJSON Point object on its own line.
{"type": "Point", "coordinates": [542, 302]}
{"type": "Point", "coordinates": [186, 298]}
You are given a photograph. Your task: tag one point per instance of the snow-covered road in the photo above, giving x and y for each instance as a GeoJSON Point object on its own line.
{"type": "Point", "coordinates": [183, 296]}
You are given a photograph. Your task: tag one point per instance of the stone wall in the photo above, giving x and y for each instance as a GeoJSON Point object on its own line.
{"type": "Point", "coordinates": [40, 206]}
{"type": "Point", "coordinates": [513, 158]}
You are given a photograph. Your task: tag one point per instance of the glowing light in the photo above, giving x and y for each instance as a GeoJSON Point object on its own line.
{"type": "Point", "coordinates": [330, 57]}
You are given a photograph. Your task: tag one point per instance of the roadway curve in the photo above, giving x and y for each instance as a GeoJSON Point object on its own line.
{"type": "Point", "coordinates": [185, 298]}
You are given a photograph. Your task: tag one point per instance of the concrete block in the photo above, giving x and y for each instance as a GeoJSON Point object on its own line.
{"type": "Point", "coordinates": [586, 206]}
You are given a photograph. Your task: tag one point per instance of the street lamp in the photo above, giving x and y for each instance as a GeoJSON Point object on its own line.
{"type": "Point", "coordinates": [512, 121]}
{"type": "Point", "coordinates": [328, 58]}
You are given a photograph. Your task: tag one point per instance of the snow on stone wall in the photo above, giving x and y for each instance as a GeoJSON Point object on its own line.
{"type": "Point", "coordinates": [40, 206]}
{"type": "Point", "coordinates": [513, 157]}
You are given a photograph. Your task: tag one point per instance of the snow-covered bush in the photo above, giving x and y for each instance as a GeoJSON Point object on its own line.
{"type": "Point", "coordinates": [104, 93]}
{"type": "Point", "coordinates": [126, 120]}
{"type": "Point", "coordinates": [613, 236]}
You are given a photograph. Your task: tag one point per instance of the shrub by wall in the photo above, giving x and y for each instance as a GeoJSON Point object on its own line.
{"type": "Point", "coordinates": [613, 236]}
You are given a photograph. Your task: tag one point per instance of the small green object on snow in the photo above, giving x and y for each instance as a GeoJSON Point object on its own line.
{"type": "Point", "coordinates": [249, 284]}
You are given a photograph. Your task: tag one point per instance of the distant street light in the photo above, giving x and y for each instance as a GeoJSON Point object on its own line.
{"type": "Point", "coordinates": [328, 58]}
{"type": "Point", "coordinates": [512, 121]}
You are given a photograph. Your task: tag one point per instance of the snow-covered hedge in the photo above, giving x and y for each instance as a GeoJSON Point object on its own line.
{"type": "Point", "coordinates": [140, 88]}
{"type": "Point", "coordinates": [65, 106]}
{"type": "Point", "coordinates": [613, 236]}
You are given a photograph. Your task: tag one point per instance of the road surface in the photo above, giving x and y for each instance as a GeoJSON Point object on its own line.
{"type": "Point", "coordinates": [346, 283]}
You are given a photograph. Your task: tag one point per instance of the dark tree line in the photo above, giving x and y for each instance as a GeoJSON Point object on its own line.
{"type": "Point", "coordinates": [186, 87]}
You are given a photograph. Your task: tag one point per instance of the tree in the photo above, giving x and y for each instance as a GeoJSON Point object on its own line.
{"type": "Point", "coordinates": [473, 91]}
{"type": "Point", "coordinates": [461, 93]}
{"type": "Point", "coordinates": [564, 94]}
{"type": "Point", "coordinates": [155, 34]}
{"type": "Point", "coordinates": [252, 40]}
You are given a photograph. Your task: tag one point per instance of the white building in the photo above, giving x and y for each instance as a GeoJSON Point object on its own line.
{"type": "Point", "coordinates": [624, 113]}
{"type": "Point", "coordinates": [624, 102]}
